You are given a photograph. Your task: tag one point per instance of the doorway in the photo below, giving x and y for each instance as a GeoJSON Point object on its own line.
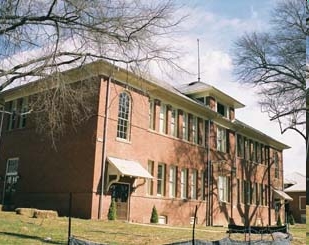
{"type": "Point", "coordinates": [120, 193]}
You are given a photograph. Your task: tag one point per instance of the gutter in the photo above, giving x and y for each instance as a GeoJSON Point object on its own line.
{"type": "Point", "coordinates": [103, 163]}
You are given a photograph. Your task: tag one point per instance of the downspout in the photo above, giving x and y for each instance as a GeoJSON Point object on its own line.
{"type": "Point", "coordinates": [233, 173]}
{"type": "Point", "coordinates": [269, 188]}
{"type": "Point", "coordinates": [106, 115]}
{"type": "Point", "coordinates": [208, 174]}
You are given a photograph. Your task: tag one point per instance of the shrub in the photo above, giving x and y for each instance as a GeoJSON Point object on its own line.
{"type": "Point", "coordinates": [279, 223]}
{"type": "Point", "coordinates": [112, 211]}
{"type": "Point", "coordinates": [291, 219]}
{"type": "Point", "coordinates": [154, 215]}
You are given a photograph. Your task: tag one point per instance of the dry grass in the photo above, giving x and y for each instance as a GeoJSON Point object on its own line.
{"type": "Point", "coordinates": [20, 229]}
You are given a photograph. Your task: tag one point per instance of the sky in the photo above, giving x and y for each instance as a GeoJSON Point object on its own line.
{"type": "Point", "coordinates": [217, 24]}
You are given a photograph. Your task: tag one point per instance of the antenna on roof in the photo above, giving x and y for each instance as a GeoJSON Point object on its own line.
{"type": "Point", "coordinates": [198, 61]}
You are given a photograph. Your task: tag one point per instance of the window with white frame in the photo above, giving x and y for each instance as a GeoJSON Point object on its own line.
{"type": "Point", "coordinates": [23, 107]}
{"type": "Point", "coordinates": [193, 128]}
{"type": "Point", "coordinates": [185, 126]}
{"type": "Point", "coordinates": [247, 192]}
{"type": "Point", "coordinates": [162, 119]}
{"type": "Point", "coordinates": [12, 166]}
{"type": "Point", "coordinates": [240, 146]}
{"type": "Point", "coordinates": [174, 126]}
{"type": "Point", "coordinates": [151, 114]}
{"type": "Point", "coordinates": [12, 118]}
{"type": "Point", "coordinates": [261, 194]}
{"type": "Point", "coordinates": [223, 188]}
{"type": "Point", "coordinates": [172, 181]}
{"type": "Point", "coordinates": [150, 168]}
{"type": "Point", "coordinates": [203, 183]}
{"type": "Point", "coordinates": [221, 139]}
{"type": "Point", "coordinates": [184, 183]}
{"type": "Point", "coordinates": [194, 184]}
{"type": "Point", "coordinates": [222, 110]}
{"type": "Point", "coordinates": [161, 180]}
{"type": "Point", "coordinates": [123, 126]}
{"type": "Point", "coordinates": [302, 203]}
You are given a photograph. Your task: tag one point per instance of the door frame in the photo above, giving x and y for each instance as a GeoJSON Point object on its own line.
{"type": "Point", "coordinates": [128, 199]}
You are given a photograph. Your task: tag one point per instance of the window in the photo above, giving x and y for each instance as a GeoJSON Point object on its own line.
{"type": "Point", "coordinates": [174, 124]}
{"type": "Point", "coordinates": [23, 106]}
{"type": "Point", "coordinates": [162, 119]}
{"type": "Point", "coordinates": [203, 182]}
{"type": "Point", "coordinates": [172, 181]}
{"type": "Point", "coordinates": [185, 126]}
{"type": "Point", "coordinates": [11, 179]}
{"type": "Point", "coordinates": [194, 184]}
{"type": "Point", "coordinates": [150, 181]}
{"type": "Point", "coordinates": [152, 114]}
{"type": "Point", "coordinates": [262, 154]}
{"type": "Point", "coordinates": [222, 110]}
{"type": "Point", "coordinates": [252, 150]}
{"type": "Point", "coordinates": [247, 192]}
{"type": "Point", "coordinates": [201, 130]}
{"type": "Point", "coordinates": [12, 117]}
{"type": "Point", "coordinates": [221, 139]}
{"type": "Point", "coordinates": [258, 152]}
{"type": "Point", "coordinates": [240, 188]}
{"type": "Point", "coordinates": [223, 188]}
{"type": "Point", "coordinates": [261, 194]}
{"type": "Point", "coordinates": [246, 145]}
{"type": "Point", "coordinates": [276, 163]}
{"type": "Point", "coordinates": [184, 184]}
{"type": "Point", "coordinates": [12, 166]}
{"type": "Point", "coordinates": [161, 180]}
{"type": "Point", "coordinates": [266, 195]}
{"type": "Point", "coordinates": [202, 99]}
{"type": "Point", "coordinates": [255, 199]}
{"type": "Point", "coordinates": [302, 203]}
{"type": "Point", "coordinates": [123, 127]}
{"type": "Point", "coordinates": [240, 146]}
{"type": "Point", "coordinates": [193, 128]}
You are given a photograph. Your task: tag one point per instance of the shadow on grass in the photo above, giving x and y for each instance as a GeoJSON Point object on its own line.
{"type": "Point", "coordinates": [23, 236]}
{"type": "Point", "coordinates": [115, 233]}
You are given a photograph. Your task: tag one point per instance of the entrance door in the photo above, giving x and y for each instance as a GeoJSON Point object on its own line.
{"type": "Point", "coordinates": [10, 189]}
{"type": "Point", "coordinates": [10, 181]}
{"type": "Point", "coordinates": [120, 193]}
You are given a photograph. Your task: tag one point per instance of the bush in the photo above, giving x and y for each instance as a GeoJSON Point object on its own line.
{"type": "Point", "coordinates": [112, 211]}
{"type": "Point", "coordinates": [291, 219]}
{"type": "Point", "coordinates": [279, 223]}
{"type": "Point", "coordinates": [154, 215]}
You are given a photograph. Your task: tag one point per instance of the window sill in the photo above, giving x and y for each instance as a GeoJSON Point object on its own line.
{"type": "Point", "coordinates": [123, 141]}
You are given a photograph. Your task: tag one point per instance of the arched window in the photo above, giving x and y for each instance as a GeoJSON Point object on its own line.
{"type": "Point", "coordinates": [123, 127]}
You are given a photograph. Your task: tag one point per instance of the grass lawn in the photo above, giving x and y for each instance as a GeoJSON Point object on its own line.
{"type": "Point", "coordinates": [20, 229]}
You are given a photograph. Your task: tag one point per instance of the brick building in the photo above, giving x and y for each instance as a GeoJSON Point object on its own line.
{"type": "Point", "coordinates": [148, 144]}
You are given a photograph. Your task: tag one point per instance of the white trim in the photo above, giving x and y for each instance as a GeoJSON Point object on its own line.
{"type": "Point", "coordinates": [299, 204]}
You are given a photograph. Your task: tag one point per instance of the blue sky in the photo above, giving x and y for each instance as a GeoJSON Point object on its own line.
{"type": "Point", "coordinates": [217, 24]}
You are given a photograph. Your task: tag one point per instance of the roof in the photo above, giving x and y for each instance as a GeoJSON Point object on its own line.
{"type": "Point", "coordinates": [266, 137]}
{"type": "Point", "coordinates": [282, 195]}
{"type": "Point", "coordinates": [205, 89]}
{"type": "Point", "coordinates": [102, 67]}
{"type": "Point", "coordinates": [297, 180]}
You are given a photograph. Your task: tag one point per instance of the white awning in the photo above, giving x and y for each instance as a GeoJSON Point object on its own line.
{"type": "Point", "coordinates": [282, 195]}
{"type": "Point", "coordinates": [129, 168]}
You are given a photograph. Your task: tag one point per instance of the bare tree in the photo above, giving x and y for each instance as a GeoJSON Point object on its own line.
{"type": "Point", "coordinates": [275, 61]}
{"type": "Point", "coordinates": [39, 39]}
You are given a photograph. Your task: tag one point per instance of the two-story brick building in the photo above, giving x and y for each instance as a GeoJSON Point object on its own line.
{"type": "Point", "coordinates": [149, 144]}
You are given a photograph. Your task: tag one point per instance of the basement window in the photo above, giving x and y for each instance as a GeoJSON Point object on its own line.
{"type": "Point", "coordinates": [162, 220]}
